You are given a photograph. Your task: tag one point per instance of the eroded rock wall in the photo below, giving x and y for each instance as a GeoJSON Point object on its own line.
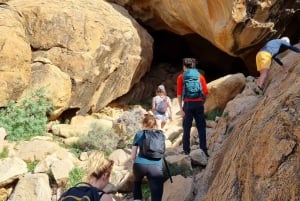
{"type": "Point", "coordinates": [99, 45]}
{"type": "Point", "coordinates": [234, 26]}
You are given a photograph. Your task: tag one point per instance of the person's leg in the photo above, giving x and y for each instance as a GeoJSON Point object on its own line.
{"type": "Point", "coordinates": [138, 172]}
{"type": "Point", "coordinates": [262, 77]}
{"type": "Point", "coordinates": [165, 120]}
{"type": "Point", "coordinates": [263, 63]}
{"type": "Point", "coordinates": [155, 179]}
{"type": "Point", "coordinates": [163, 123]}
{"type": "Point", "coordinates": [158, 124]}
{"type": "Point", "coordinates": [201, 125]}
{"type": "Point", "coordinates": [187, 124]}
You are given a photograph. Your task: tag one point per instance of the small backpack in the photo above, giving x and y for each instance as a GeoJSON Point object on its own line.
{"type": "Point", "coordinates": [162, 105]}
{"type": "Point", "coordinates": [154, 144]}
{"type": "Point", "coordinates": [192, 86]}
{"type": "Point", "coordinates": [82, 192]}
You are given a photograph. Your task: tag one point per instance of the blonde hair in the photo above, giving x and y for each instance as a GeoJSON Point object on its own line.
{"type": "Point", "coordinates": [161, 89]}
{"type": "Point", "coordinates": [149, 121]}
{"type": "Point", "coordinates": [98, 165]}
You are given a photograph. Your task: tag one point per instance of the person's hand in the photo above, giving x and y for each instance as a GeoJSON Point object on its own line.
{"type": "Point", "coordinates": [182, 113]}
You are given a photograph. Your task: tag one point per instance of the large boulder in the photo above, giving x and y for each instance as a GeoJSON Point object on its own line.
{"type": "Point", "coordinates": [15, 55]}
{"type": "Point", "coordinates": [98, 45]}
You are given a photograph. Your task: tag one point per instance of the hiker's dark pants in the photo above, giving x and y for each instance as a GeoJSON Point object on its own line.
{"type": "Point", "coordinates": [194, 110]}
{"type": "Point", "coordinates": [155, 178]}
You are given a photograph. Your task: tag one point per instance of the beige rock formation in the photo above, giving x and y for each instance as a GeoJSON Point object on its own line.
{"type": "Point", "coordinates": [222, 90]}
{"type": "Point", "coordinates": [15, 55]}
{"type": "Point", "coordinates": [99, 45]}
{"type": "Point", "coordinates": [32, 187]}
{"type": "Point", "coordinates": [259, 158]}
{"type": "Point", "coordinates": [56, 84]}
{"type": "Point", "coordinates": [232, 26]}
{"type": "Point", "coordinates": [180, 189]}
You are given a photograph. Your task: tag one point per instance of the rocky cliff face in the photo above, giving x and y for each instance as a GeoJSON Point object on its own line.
{"type": "Point", "coordinates": [259, 158]}
{"type": "Point", "coordinates": [232, 26]}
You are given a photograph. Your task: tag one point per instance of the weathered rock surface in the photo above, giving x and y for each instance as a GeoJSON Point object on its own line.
{"type": "Point", "coordinates": [15, 55]}
{"type": "Point", "coordinates": [258, 158]}
{"type": "Point", "coordinates": [232, 26]}
{"type": "Point", "coordinates": [94, 43]}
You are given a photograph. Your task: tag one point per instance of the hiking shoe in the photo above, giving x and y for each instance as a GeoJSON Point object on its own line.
{"type": "Point", "coordinates": [185, 152]}
{"type": "Point", "coordinates": [259, 90]}
{"type": "Point", "coordinates": [206, 153]}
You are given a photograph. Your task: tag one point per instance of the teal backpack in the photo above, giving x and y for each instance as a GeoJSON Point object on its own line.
{"type": "Point", "coordinates": [191, 84]}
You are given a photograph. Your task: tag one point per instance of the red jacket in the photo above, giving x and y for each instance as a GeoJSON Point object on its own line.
{"type": "Point", "coordinates": [180, 87]}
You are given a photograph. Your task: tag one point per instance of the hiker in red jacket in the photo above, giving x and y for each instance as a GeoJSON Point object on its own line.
{"type": "Point", "coordinates": [192, 108]}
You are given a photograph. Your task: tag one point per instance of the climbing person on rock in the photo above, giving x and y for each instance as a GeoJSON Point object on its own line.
{"type": "Point", "coordinates": [98, 171]}
{"type": "Point", "coordinates": [264, 59]}
{"type": "Point", "coordinates": [161, 107]}
{"type": "Point", "coordinates": [191, 91]}
{"type": "Point", "coordinates": [144, 165]}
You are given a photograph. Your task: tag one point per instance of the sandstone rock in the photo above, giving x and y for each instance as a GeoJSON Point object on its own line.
{"type": "Point", "coordinates": [33, 187]}
{"type": "Point", "coordinates": [180, 189]}
{"type": "Point", "coordinates": [11, 169]}
{"type": "Point", "coordinates": [257, 158]}
{"type": "Point", "coordinates": [15, 55]}
{"type": "Point", "coordinates": [181, 161]}
{"type": "Point", "coordinates": [55, 83]}
{"type": "Point", "coordinates": [198, 157]}
{"type": "Point", "coordinates": [37, 150]}
{"type": "Point", "coordinates": [121, 157]}
{"type": "Point", "coordinates": [231, 26]}
{"type": "Point", "coordinates": [61, 169]}
{"type": "Point", "coordinates": [223, 90]}
{"type": "Point", "coordinates": [95, 43]}
{"type": "Point", "coordinates": [44, 165]}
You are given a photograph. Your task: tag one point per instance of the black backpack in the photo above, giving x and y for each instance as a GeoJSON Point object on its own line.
{"type": "Point", "coordinates": [82, 192]}
{"type": "Point", "coordinates": [154, 147]}
{"type": "Point", "coordinates": [154, 144]}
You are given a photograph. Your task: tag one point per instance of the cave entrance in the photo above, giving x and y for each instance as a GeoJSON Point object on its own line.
{"type": "Point", "coordinates": [171, 48]}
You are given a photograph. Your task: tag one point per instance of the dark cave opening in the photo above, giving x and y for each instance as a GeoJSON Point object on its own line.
{"type": "Point", "coordinates": [172, 48]}
{"type": "Point", "coordinates": [169, 49]}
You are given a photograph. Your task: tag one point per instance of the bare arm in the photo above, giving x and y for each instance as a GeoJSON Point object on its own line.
{"type": "Point", "coordinates": [180, 105]}
{"type": "Point", "coordinates": [153, 104]}
{"type": "Point", "coordinates": [170, 108]}
{"type": "Point", "coordinates": [133, 152]}
{"type": "Point", "coordinates": [106, 197]}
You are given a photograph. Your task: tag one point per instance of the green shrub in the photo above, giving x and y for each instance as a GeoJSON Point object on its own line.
{"type": "Point", "coordinates": [31, 166]}
{"type": "Point", "coordinates": [75, 176]}
{"type": "Point", "coordinates": [98, 138]}
{"type": "Point", "coordinates": [26, 118]}
{"type": "Point", "coordinates": [146, 191]}
{"type": "Point", "coordinates": [217, 112]}
{"type": "Point", "coordinates": [4, 153]}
